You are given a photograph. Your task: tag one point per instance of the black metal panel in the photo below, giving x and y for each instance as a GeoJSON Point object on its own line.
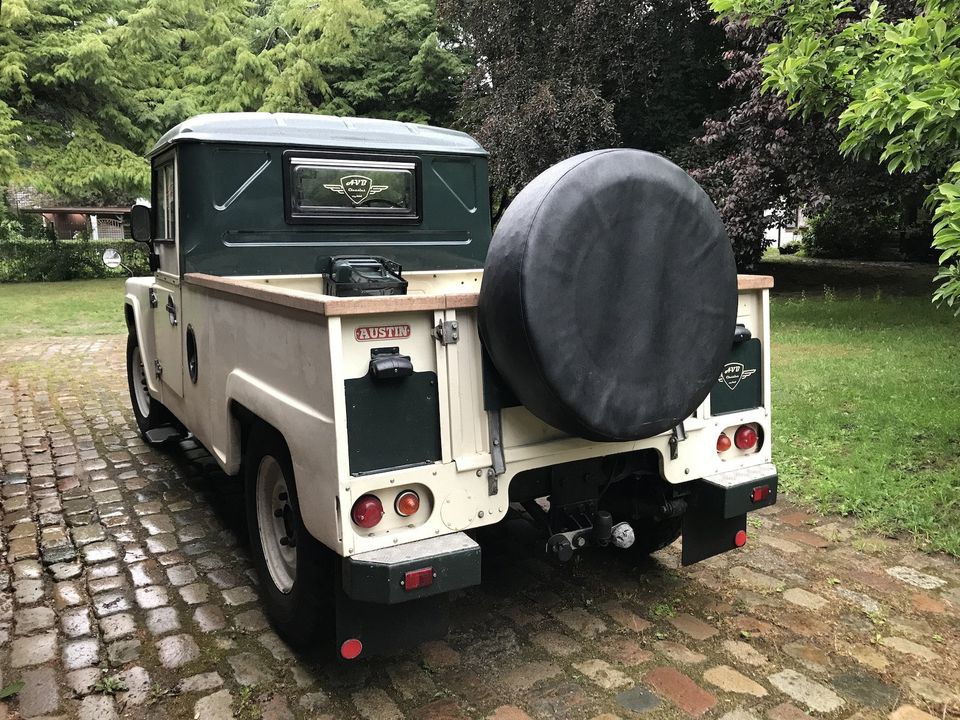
{"type": "Point", "coordinates": [392, 423]}
{"type": "Point", "coordinates": [707, 533]}
{"type": "Point", "coordinates": [387, 629]}
{"type": "Point", "coordinates": [383, 583]}
{"type": "Point", "coordinates": [740, 385]}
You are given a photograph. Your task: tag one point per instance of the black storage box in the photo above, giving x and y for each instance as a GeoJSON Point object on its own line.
{"type": "Point", "coordinates": [363, 276]}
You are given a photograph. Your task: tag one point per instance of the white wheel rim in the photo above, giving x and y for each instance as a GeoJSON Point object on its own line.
{"type": "Point", "coordinates": [140, 392]}
{"type": "Point", "coordinates": [276, 524]}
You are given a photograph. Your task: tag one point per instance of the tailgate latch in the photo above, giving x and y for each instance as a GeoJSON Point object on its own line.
{"type": "Point", "coordinates": [447, 332]}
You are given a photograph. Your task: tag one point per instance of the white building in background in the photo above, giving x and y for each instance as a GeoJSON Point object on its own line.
{"type": "Point", "coordinates": [787, 234]}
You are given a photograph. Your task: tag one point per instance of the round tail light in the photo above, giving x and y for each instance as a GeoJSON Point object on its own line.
{"type": "Point", "coordinates": [367, 511]}
{"type": "Point", "coordinates": [723, 443]}
{"type": "Point", "coordinates": [407, 503]}
{"type": "Point", "coordinates": [745, 437]}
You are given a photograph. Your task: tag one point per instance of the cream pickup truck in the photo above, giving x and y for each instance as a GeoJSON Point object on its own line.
{"type": "Point", "coordinates": [332, 318]}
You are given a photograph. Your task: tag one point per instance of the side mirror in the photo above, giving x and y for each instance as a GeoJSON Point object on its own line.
{"type": "Point", "coordinates": [140, 223]}
{"type": "Point", "coordinates": [112, 259]}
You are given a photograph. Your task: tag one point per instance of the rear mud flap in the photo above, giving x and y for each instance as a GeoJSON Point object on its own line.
{"type": "Point", "coordinates": [386, 629]}
{"type": "Point", "coordinates": [707, 533]}
{"type": "Point", "coordinates": [716, 517]}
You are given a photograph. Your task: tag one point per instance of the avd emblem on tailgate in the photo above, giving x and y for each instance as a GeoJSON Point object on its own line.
{"type": "Point", "coordinates": [356, 187]}
{"type": "Point", "coordinates": [382, 332]}
{"type": "Point", "coordinates": [733, 373]}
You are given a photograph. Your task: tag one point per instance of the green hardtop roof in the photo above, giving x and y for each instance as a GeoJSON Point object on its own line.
{"type": "Point", "coordinates": [322, 131]}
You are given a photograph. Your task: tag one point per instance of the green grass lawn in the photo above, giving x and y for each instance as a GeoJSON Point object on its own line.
{"type": "Point", "coordinates": [866, 402]}
{"type": "Point", "coordinates": [866, 391]}
{"type": "Point", "coordinates": [84, 307]}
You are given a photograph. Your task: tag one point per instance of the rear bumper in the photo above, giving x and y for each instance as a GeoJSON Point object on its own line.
{"type": "Point", "coordinates": [380, 576]}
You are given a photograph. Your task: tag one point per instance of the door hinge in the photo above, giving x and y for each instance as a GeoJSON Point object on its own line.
{"type": "Point", "coordinates": [447, 332]}
{"type": "Point", "coordinates": [153, 298]}
{"type": "Point", "coordinates": [157, 369]}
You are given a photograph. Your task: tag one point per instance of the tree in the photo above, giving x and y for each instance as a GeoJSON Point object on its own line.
{"type": "Point", "coordinates": [87, 86]}
{"type": "Point", "coordinates": [68, 121]}
{"type": "Point", "coordinates": [893, 83]}
{"type": "Point", "coordinates": [552, 79]}
{"type": "Point", "coordinates": [760, 164]}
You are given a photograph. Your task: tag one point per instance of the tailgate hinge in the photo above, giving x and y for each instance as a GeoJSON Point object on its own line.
{"type": "Point", "coordinates": [447, 332]}
{"type": "Point", "coordinates": [678, 435]}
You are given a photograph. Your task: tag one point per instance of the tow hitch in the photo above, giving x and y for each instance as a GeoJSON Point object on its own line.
{"type": "Point", "coordinates": [600, 532]}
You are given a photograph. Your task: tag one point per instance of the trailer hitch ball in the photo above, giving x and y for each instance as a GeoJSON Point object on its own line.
{"type": "Point", "coordinates": [622, 535]}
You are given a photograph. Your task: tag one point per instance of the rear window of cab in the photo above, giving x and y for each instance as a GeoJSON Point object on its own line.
{"type": "Point", "coordinates": [340, 188]}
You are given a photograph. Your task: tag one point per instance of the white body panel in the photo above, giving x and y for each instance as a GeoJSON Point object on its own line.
{"type": "Point", "coordinates": [281, 349]}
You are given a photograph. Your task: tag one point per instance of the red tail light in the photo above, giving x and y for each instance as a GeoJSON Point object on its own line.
{"type": "Point", "coordinates": [367, 511]}
{"type": "Point", "coordinates": [723, 443]}
{"type": "Point", "coordinates": [745, 437]}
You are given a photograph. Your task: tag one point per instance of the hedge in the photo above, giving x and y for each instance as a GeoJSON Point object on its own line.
{"type": "Point", "coordinates": [23, 260]}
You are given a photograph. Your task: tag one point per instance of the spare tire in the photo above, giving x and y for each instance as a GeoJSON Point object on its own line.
{"type": "Point", "coordinates": [609, 295]}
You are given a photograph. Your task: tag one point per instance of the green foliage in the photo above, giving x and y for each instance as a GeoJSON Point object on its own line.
{"type": "Point", "coordinates": [44, 261]}
{"type": "Point", "coordinates": [894, 84]}
{"type": "Point", "coordinates": [850, 230]}
{"type": "Point", "coordinates": [87, 86]}
{"type": "Point", "coordinates": [11, 690]}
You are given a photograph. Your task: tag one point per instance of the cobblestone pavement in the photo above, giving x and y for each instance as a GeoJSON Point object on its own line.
{"type": "Point", "coordinates": [127, 592]}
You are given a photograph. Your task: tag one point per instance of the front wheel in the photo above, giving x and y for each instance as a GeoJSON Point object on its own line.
{"type": "Point", "coordinates": [148, 412]}
{"type": "Point", "coordinates": [296, 571]}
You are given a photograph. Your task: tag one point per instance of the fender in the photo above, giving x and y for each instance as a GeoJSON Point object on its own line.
{"type": "Point", "coordinates": [137, 290]}
{"type": "Point", "coordinates": [302, 426]}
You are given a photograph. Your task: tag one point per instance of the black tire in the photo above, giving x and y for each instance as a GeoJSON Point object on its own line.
{"type": "Point", "coordinates": [609, 295]}
{"type": "Point", "coordinates": [303, 613]}
{"type": "Point", "coordinates": [148, 412]}
{"type": "Point", "coordinates": [655, 535]}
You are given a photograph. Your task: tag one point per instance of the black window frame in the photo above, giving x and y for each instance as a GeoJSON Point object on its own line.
{"type": "Point", "coordinates": [158, 213]}
{"type": "Point", "coordinates": [350, 215]}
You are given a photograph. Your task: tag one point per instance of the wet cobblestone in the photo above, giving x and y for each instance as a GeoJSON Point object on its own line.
{"type": "Point", "coordinates": [127, 592]}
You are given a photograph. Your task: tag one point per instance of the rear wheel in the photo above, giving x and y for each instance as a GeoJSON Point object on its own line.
{"type": "Point", "coordinates": [296, 571]}
{"type": "Point", "coordinates": [148, 412]}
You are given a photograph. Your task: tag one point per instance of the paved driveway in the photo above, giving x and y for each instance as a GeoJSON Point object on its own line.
{"type": "Point", "coordinates": [127, 591]}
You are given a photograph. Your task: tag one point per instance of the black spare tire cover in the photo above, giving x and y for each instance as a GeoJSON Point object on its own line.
{"type": "Point", "coordinates": [609, 295]}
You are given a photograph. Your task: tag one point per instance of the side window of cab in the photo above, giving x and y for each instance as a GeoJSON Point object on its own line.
{"type": "Point", "coordinates": [165, 202]}
{"type": "Point", "coordinates": [165, 215]}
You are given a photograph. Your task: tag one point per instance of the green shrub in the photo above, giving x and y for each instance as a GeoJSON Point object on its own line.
{"type": "Point", "coordinates": [25, 260]}
{"type": "Point", "coordinates": [847, 231]}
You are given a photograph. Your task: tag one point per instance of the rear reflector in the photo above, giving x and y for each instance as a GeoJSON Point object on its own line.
{"type": "Point", "coordinates": [759, 494]}
{"type": "Point", "coordinates": [351, 649]}
{"type": "Point", "coordinates": [418, 579]}
{"type": "Point", "coordinates": [740, 539]}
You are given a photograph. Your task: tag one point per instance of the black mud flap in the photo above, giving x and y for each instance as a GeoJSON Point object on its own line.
{"type": "Point", "coordinates": [707, 533]}
{"type": "Point", "coordinates": [716, 516]}
{"type": "Point", "coordinates": [383, 629]}
{"type": "Point", "coordinates": [395, 598]}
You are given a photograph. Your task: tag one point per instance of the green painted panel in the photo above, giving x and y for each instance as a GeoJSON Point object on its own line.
{"type": "Point", "coordinates": [232, 216]}
{"type": "Point", "coordinates": [740, 385]}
